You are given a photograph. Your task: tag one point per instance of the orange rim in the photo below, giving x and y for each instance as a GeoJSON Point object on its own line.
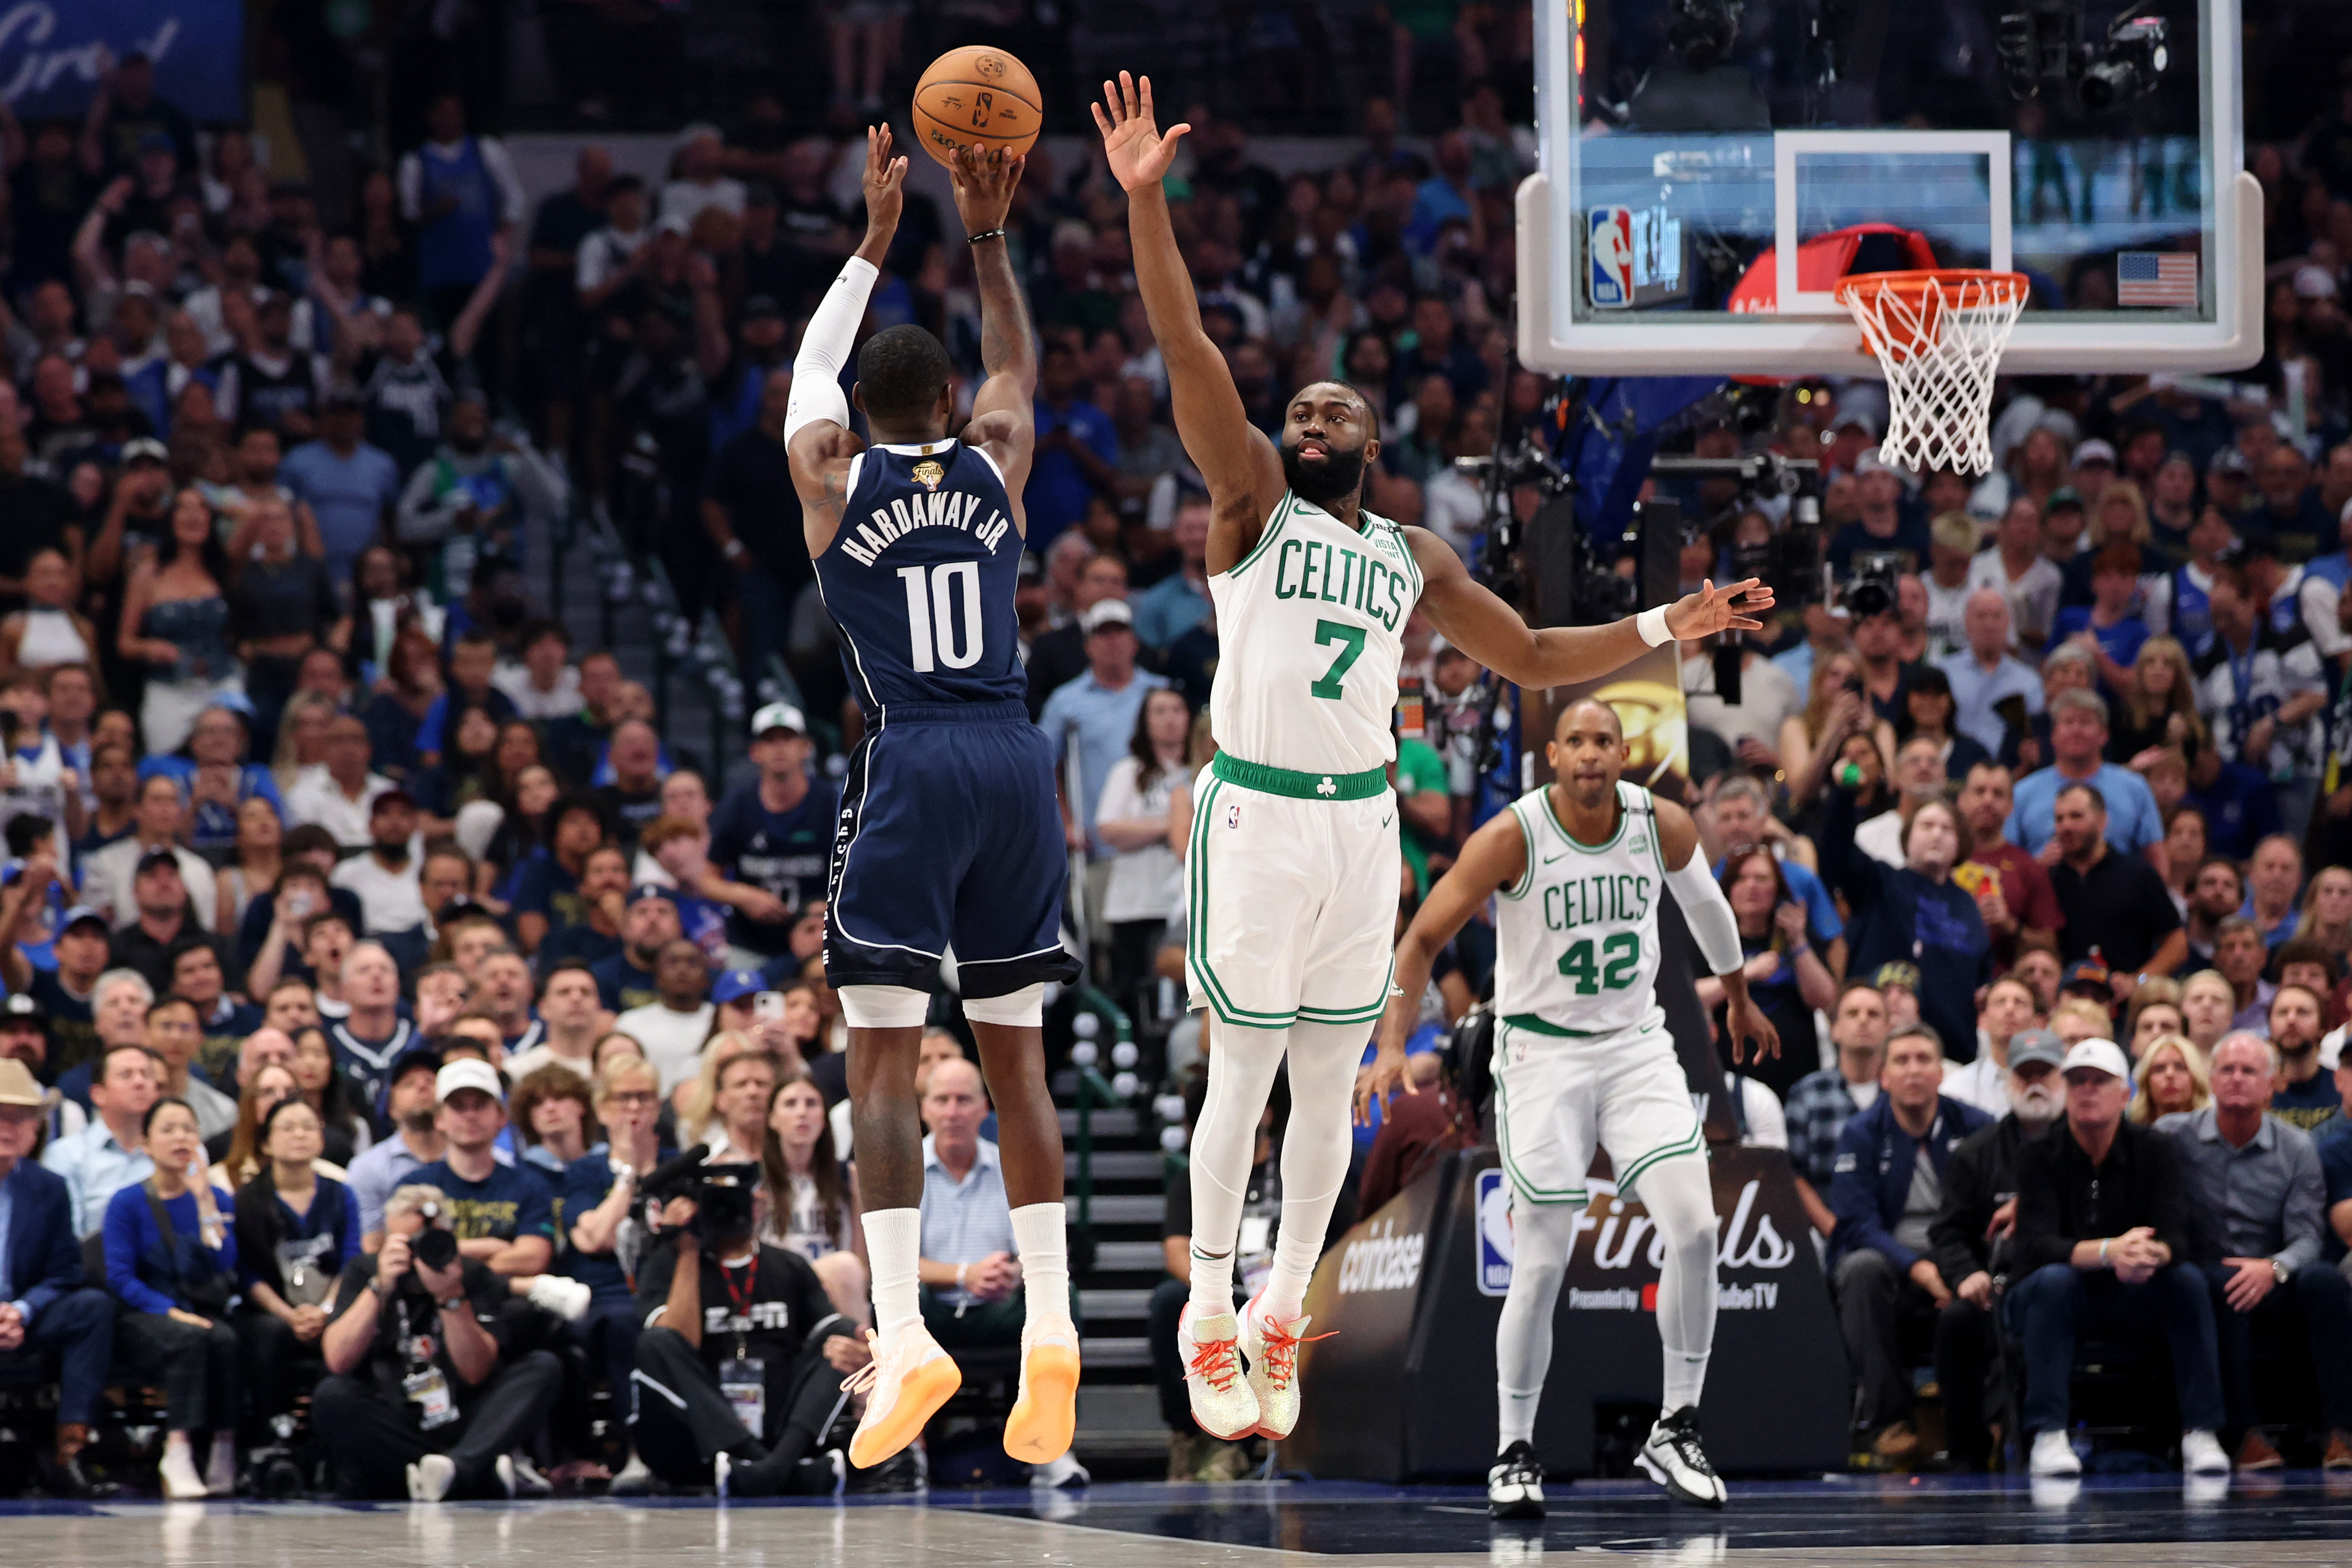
{"type": "Point", "coordinates": [1925, 295]}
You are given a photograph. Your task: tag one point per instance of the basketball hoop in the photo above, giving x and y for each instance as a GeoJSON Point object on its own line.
{"type": "Point", "coordinates": [1938, 337]}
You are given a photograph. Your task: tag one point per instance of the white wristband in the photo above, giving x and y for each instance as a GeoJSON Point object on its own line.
{"type": "Point", "coordinates": [1652, 625]}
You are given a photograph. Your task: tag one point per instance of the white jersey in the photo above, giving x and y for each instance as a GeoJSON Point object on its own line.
{"type": "Point", "coordinates": [1576, 937]}
{"type": "Point", "coordinates": [1311, 625]}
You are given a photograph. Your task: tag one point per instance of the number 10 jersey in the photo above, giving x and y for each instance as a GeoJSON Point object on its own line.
{"type": "Point", "coordinates": [1310, 629]}
{"type": "Point", "coordinates": [1576, 937]}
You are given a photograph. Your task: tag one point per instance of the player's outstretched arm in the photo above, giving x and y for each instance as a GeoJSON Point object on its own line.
{"type": "Point", "coordinates": [1716, 930]}
{"type": "Point", "coordinates": [1003, 412]}
{"type": "Point", "coordinates": [816, 421]}
{"type": "Point", "coordinates": [1495, 857]}
{"type": "Point", "coordinates": [1243, 470]}
{"type": "Point", "coordinates": [1474, 619]}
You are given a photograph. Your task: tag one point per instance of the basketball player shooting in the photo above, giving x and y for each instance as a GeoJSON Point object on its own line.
{"type": "Point", "coordinates": [1582, 1057]}
{"type": "Point", "coordinates": [1292, 889]}
{"type": "Point", "coordinates": [950, 832]}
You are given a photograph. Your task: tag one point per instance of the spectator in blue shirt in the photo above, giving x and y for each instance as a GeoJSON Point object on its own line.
{"type": "Point", "coordinates": [171, 1259]}
{"type": "Point", "coordinates": [296, 1230]}
{"type": "Point", "coordinates": [214, 775]}
{"type": "Point", "coordinates": [2240, 806]}
{"type": "Point", "coordinates": [503, 1215]}
{"type": "Point", "coordinates": [1077, 452]}
{"type": "Point", "coordinates": [1180, 601]}
{"type": "Point", "coordinates": [1094, 716]}
{"type": "Point", "coordinates": [773, 834]}
{"type": "Point", "coordinates": [1986, 674]}
{"type": "Point", "coordinates": [2078, 738]}
{"type": "Point", "coordinates": [350, 486]}
{"type": "Point", "coordinates": [47, 1317]}
{"type": "Point", "coordinates": [2109, 628]}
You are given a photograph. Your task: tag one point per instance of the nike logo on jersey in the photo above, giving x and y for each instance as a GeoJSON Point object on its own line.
{"type": "Point", "coordinates": [1549, 859]}
{"type": "Point", "coordinates": [1386, 821]}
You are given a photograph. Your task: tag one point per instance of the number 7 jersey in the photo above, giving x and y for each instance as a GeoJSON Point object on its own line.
{"type": "Point", "coordinates": [1310, 628]}
{"type": "Point", "coordinates": [1576, 937]}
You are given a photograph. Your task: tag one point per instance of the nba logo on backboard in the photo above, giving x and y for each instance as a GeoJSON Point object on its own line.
{"type": "Point", "coordinates": [1611, 247]}
{"type": "Point", "coordinates": [1495, 1249]}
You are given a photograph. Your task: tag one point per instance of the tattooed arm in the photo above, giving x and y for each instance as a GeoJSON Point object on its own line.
{"type": "Point", "coordinates": [1004, 419]}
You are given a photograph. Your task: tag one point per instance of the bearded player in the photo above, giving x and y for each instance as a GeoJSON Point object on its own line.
{"type": "Point", "coordinates": [1292, 890]}
{"type": "Point", "coordinates": [1582, 1058]}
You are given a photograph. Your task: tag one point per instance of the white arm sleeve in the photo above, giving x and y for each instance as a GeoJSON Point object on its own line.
{"type": "Point", "coordinates": [1708, 914]}
{"type": "Point", "coordinates": [824, 349]}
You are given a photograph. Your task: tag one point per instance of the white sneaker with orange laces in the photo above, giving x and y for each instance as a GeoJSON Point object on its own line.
{"type": "Point", "coordinates": [905, 1385]}
{"type": "Point", "coordinates": [1272, 1349]}
{"type": "Point", "coordinates": [1209, 1349]}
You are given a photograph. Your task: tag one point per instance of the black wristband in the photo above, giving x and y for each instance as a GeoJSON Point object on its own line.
{"type": "Point", "coordinates": [991, 234]}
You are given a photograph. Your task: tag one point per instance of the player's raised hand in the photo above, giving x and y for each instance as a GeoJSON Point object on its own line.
{"type": "Point", "coordinates": [1712, 610]}
{"type": "Point", "coordinates": [984, 182]}
{"type": "Point", "coordinates": [884, 184]}
{"type": "Point", "coordinates": [1139, 153]}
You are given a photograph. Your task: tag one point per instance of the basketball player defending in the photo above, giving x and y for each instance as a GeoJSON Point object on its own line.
{"type": "Point", "coordinates": [948, 831]}
{"type": "Point", "coordinates": [1582, 1056]}
{"type": "Point", "coordinates": [1293, 863]}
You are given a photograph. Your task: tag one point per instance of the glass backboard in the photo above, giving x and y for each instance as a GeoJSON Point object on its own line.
{"type": "Point", "coordinates": [1711, 167]}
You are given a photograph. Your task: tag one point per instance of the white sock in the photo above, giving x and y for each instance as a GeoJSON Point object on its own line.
{"type": "Point", "coordinates": [1038, 1230]}
{"type": "Point", "coordinates": [1517, 1409]}
{"type": "Point", "coordinates": [894, 1244]}
{"type": "Point", "coordinates": [1685, 1377]}
{"type": "Point", "coordinates": [1316, 1146]}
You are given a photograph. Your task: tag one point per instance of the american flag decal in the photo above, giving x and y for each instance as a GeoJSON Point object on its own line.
{"type": "Point", "coordinates": [2160, 277]}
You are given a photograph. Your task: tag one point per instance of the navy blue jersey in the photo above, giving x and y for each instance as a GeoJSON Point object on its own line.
{"type": "Point", "coordinates": [920, 577]}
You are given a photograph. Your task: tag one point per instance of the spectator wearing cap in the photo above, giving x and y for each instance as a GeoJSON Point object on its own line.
{"type": "Point", "coordinates": [628, 980]}
{"type": "Point", "coordinates": [771, 837]}
{"type": "Point", "coordinates": [350, 484]}
{"type": "Point", "coordinates": [157, 822]}
{"type": "Point", "coordinates": [164, 916]}
{"type": "Point", "coordinates": [2104, 1235]}
{"type": "Point", "coordinates": [214, 775]}
{"type": "Point", "coordinates": [2066, 543]}
{"type": "Point", "coordinates": [340, 796]}
{"type": "Point", "coordinates": [1886, 1190]}
{"type": "Point", "coordinates": [2259, 1182]}
{"type": "Point", "coordinates": [385, 877]}
{"type": "Point", "coordinates": [1972, 1235]}
{"type": "Point", "coordinates": [673, 1026]}
{"type": "Point", "coordinates": [411, 1109]}
{"type": "Point", "coordinates": [49, 1321]}
{"type": "Point", "coordinates": [64, 994]}
{"type": "Point", "coordinates": [503, 1215]}
{"type": "Point", "coordinates": [2116, 907]}
{"type": "Point", "coordinates": [1986, 674]}
{"type": "Point", "coordinates": [1058, 656]}
{"type": "Point", "coordinates": [25, 1038]}
{"type": "Point", "coordinates": [2016, 568]}
{"type": "Point", "coordinates": [1092, 718]}
{"type": "Point", "coordinates": [571, 1020]}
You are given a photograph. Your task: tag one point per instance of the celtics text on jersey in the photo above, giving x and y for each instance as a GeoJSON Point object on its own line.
{"type": "Point", "coordinates": [1577, 935]}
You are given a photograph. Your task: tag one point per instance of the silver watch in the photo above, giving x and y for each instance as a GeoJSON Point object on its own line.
{"type": "Point", "coordinates": [2279, 1271]}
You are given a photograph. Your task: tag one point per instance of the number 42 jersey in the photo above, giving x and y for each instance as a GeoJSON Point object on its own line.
{"type": "Point", "coordinates": [1576, 937]}
{"type": "Point", "coordinates": [1310, 629]}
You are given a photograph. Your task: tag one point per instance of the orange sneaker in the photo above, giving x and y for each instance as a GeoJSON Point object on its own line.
{"type": "Point", "coordinates": [1046, 1416]}
{"type": "Point", "coordinates": [905, 1385]}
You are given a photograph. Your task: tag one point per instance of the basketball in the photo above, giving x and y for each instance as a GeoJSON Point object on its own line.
{"type": "Point", "coordinates": [977, 96]}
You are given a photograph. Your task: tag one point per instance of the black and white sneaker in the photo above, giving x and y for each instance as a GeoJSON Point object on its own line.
{"type": "Point", "coordinates": [1672, 1457]}
{"type": "Point", "coordinates": [1515, 1485]}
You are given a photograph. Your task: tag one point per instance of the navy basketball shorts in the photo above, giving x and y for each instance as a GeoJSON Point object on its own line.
{"type": "Point", "coordinates": [949, 834]}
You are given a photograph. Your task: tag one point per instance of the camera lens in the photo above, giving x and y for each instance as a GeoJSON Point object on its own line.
{"type": "Point", "coordinates": [435, 1247]}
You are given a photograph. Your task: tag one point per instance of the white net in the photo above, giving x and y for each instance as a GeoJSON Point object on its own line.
{"type": "Point", "coordinates": [1938, 337]}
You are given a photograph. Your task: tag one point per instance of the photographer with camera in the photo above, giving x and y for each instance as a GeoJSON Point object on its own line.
{"type": "Point", "coordinates": [738, 1369]}
{"type": "Point", "coordinates": [423, 1397]}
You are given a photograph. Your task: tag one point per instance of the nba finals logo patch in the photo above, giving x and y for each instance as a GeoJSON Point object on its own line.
{"type": "Point", "coordinates": [929, 474]}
